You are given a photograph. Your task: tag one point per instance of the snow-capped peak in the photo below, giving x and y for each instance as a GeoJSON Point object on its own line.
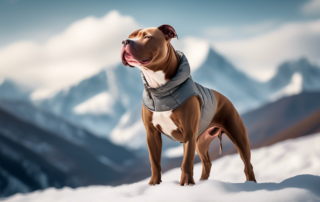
{"type": "Point", "coordinates": [99, 104]}
{"type": "Point", "coordinates": [293, 88]}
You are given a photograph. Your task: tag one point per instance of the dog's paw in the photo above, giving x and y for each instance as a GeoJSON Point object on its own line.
{"type": "Point", "coordinates": [186, 179]}
{"type": "Point", "coordinates": [204, 177]}
{"type": "Point", "coordinates": [155, 180]}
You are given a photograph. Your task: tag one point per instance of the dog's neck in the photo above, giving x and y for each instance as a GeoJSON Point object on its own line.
{"type": "Point", "coordinates": [164, 71]}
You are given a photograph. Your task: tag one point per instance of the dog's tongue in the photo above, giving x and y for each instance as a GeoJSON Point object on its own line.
{"type": "Point", "coordinates": [127, 57]}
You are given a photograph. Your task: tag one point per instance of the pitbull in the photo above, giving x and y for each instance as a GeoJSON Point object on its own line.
{"type": "Point", "coordinates": [151, 51]}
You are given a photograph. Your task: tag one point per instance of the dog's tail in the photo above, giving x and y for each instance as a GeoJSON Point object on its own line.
{"type": "Point", "coordinates": [220, 138]}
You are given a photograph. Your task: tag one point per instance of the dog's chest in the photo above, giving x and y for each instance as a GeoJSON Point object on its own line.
{"type": "Point", "coordinates": [164, 121]}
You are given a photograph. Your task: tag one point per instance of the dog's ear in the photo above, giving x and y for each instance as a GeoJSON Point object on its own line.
{"type": "Point", "coordinates": [168, 32]}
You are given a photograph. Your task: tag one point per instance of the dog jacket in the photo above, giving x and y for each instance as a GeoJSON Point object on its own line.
{"type": "Point", "coordinates": [176, 91]}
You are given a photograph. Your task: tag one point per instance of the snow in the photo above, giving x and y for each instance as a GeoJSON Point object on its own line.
{"type": "Point", "coordinates": [300, 188]}
{"type": "Point", "coordinates": [99, 104]}
{"type": "Point", "coordinates": [293, 88]}
{"type": "Point", "coordinates": [133, 136]}
{"type": "Point", "coordinates": [130, 130]}
{"type": "Point", "coordinates": [43, 93]}
{"type": "Point", "coordinates": [288, 158]}
{"type": "Point", "coordinates": [286, 171]}
{"type": "Point", "coordinates": [174, 152]}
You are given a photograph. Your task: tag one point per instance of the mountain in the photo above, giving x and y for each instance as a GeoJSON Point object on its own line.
{"type": "Point", "coordinates": [267, 122]}
{"type": "Point", "coordinates": [309, 73]}
{"type": "Point", "coordinates": [308, 125]}
{"type": "Point", "coordinates": [62, 128]}
{"type": "Point", "coordinates": [245, 93]}
{"type": "Point", "coordinates": [55, 153]}
{"type": "Point", "coordinates": [219, 74]}
{"type": "Point", "coordinates": [11, 90]}
{"type": "Point", "coordinates": [286, 118]}
{"type": "Point", "coordinates": [130, 131]}
{"type": "Point", "coordinates": [108, 104]}
{"type": "Point", "coordinates": [97, 103]}
{"type": "Point", "coordinates": [54, 142]}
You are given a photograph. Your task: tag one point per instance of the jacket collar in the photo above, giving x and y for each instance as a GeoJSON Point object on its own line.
{"type": "Point", "coordinates": [182, 75]}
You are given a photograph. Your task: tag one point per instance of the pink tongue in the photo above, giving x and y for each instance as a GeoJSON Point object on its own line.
{"type": "Point", "coordinates": [129, 57]}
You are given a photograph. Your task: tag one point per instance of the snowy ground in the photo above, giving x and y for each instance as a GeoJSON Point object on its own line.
{"type": "Point", "coordinates": [286, 171]}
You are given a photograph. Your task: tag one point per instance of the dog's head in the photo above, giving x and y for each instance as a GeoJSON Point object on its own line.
{"type": "Point", "coordinates": [147, 47]}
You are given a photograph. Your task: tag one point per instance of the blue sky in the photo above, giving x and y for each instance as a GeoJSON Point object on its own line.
{"type": "Point", "coordinates": [39, 19]}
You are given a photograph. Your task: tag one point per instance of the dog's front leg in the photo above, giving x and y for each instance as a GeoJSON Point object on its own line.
{"type": "Point", "coordinates": [188, 120]}
{"type": "Point", "coordinates": [154, 143]}
{"type": "Point", "coordinates": [188, 161]}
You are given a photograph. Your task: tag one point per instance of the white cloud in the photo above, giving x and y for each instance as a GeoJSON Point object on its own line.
{"type": "Point", "coordinates": [259, 56]}
{"type": "Point", "coordinates": [84, 48]}
{"type": "Point", "coordinates": [312, 7]}
{"type": "Point", "coordinates": [196, 50]}
{"type": "Point", "coordinates": [91, 44]}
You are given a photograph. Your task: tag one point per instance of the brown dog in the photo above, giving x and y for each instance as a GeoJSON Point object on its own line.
{"type": "Point", "coordinates": [150, 50]}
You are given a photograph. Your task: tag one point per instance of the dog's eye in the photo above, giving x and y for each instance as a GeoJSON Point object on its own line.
{"type": "Point", "coordinates": [147, 37]}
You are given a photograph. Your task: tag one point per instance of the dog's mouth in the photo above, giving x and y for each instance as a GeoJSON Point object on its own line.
{"type": "Point", "coordinates": [128, 59]}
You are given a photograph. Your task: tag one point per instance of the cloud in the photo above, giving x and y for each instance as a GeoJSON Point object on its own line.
{"type": "Point", "coordinates": [196, 50]}
{"type": "Point", "coordinates": [312, 7]}
{"type": "Point", "coordinates": [84, 48]}
{"type": "Point", "coordinates": [91, 44]}
{"type": "Point", "coordinates": [231, 32]}
{"type": "Point", "coordinates": [259, 56]}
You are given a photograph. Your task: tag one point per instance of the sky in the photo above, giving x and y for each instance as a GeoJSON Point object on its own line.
{"type": "Point", "coordinates": [40, 19]}
{"type": "Point", "coordinates": [51, 44]}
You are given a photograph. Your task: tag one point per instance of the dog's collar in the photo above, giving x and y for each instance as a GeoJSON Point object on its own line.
{"type": "Point", "coordinates": [181, 76]}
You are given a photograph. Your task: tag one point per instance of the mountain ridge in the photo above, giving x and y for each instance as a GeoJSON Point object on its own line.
{"type": "Point", "coordinates": [120, 89]}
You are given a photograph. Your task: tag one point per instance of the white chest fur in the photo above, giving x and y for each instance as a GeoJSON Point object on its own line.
{"type": "Point", "coordinates": [163, 119]}
{"type": "Point", "coordinates": [154, 79]}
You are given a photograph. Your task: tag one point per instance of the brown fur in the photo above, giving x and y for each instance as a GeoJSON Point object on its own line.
{"type": "Point", "coordinates": [228, 121]}
{"type": "Point", "coordinates": [187, 116]}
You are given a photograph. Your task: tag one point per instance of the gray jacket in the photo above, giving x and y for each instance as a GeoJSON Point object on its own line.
{"type": "Point", "coordinates": [176, 91]}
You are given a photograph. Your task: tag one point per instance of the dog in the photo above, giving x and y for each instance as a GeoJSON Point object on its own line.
{"type": "Point", "coordinates": [173, 104]}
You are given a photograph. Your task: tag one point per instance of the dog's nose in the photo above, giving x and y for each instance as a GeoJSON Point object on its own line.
{"type": "Point", "coordinates": [126, 42]}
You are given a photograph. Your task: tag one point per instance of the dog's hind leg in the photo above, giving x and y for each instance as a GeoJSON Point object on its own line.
{"type": "Point", "coordinates": [232, 125]}
{"type": "Point", "coordinates": [238, 135]}
{"type": "Point", "coordinates": [241, 142]}
{"type": "Point", "coordinates": [202, 146]}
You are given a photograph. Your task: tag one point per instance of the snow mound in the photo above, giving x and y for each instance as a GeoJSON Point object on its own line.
{"type": "Point", "coordinates": [298, 188]}
{"type": "Point", "coordinates": [274, 163]}
{"type": "Point", "coordinates": [286, 171]}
